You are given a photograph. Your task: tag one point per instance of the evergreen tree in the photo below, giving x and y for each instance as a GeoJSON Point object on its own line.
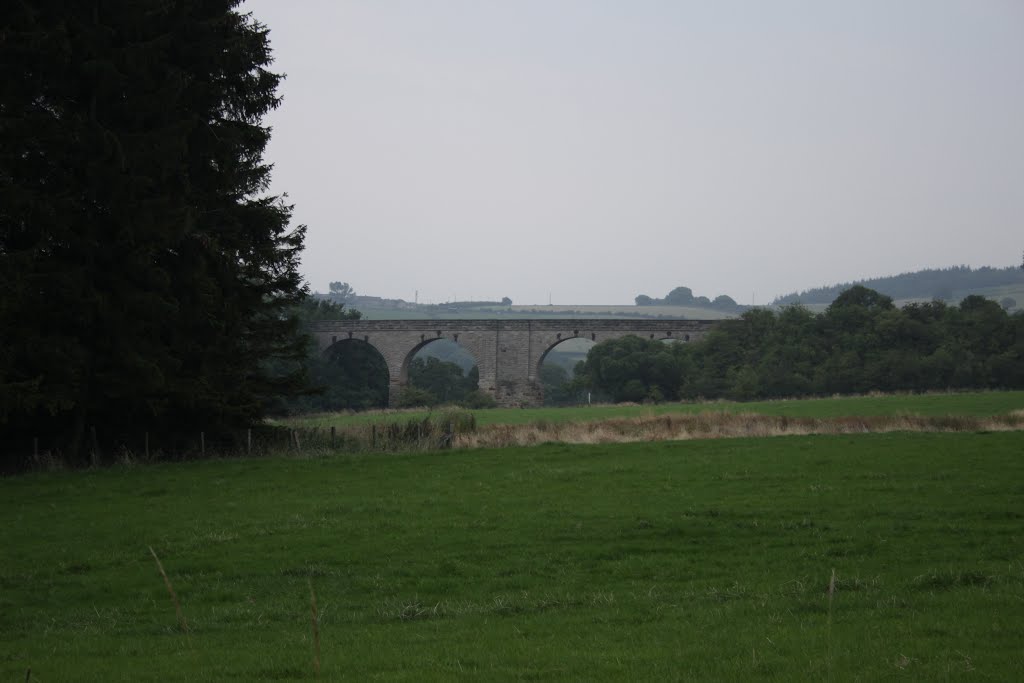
{"type": "Point", "coordinates": [145, 279]}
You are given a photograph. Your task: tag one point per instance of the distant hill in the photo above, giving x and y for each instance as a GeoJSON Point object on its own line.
{"type": "Point", "coordinates": [946, 284]}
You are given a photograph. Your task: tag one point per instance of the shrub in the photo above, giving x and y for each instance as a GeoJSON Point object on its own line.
{"type": "Point", "coordinates": [478, 399]}
{"type": "Point", "coordinates": [411, 397]}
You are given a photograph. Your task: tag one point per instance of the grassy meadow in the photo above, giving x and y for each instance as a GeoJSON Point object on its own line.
{"type": "Point", "coordinates": [699, 560]}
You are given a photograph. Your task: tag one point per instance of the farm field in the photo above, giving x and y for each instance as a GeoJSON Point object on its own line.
{"type": "Point", "coordinates": [584, 311]}
{"type": "Point", "coordinates": [699, 560]}
{"type": "Point", "coordinates": [543, 312]}
{"type": "Point", "coordinates": [977, 404]}
{"type": "Point", "coordinates": [531, 312]}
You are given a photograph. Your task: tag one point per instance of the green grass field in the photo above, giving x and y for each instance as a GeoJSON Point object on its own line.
{"type": "Point", "coordinates": [702, 560]}
{"type": "Point", "coordinates": [972, 403]}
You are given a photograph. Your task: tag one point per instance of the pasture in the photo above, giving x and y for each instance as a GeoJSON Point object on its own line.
{"type": "Point", "coordinates": [879, 556]}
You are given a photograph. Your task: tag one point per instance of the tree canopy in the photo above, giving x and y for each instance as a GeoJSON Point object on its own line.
{"type": "Point", "coordinates": [861, 343]}
{"type": "Point", "coordinates": [146, 276]}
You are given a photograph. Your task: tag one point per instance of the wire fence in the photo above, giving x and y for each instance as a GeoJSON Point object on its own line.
{"type": "Point", "coordinates": [437, 432]}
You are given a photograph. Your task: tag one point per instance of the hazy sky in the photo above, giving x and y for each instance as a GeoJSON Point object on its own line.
{"type": "Point", "coordinates": [598, 149]}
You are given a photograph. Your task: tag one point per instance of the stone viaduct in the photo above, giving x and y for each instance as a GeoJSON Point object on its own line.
{"type": "Point", "coordinates": [508, 353]}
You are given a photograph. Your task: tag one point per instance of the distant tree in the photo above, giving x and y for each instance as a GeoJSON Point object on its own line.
{"type": "Point", "coordinates": [680, 296]}
{"type": "Point", "coordinates": [444, 381]}
{"type": "Point", "coordinates": [644, 300]}
{"type": "Point", "coordinates": [931, 283]}
{"type": "Point", "coordinates": [505, 301]}
{"type": "Point", "coordinates": [341, 291]}
{"type": "Point", "coordinates": [557, 388]}
{"type": "Point", "coordinates": [1008, 302]}
{"type": "Point", "coordinates": [477, 399]}
{"type": "Point", "coordinates": [633, 369]}
{"type": "Point", "coordinates": [414, 397]}
{"type": "Point", "coordinates": [724, 302]}
{"type": "Point", "coordinates": [862, 297]}
{"type": "Point", "coordinates": [351, 375]}
{"type": "Point", "coordinates": [312, 309]}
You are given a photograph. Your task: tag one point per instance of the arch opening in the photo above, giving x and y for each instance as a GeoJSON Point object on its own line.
{"type": "Point", "coordinates": [557, 369]}
{"type": "Point", "coordinates": [637, 367]}
{"type": "Point", "coordinates": [440, 371]}
{"type": "Point", "coordinates": [354, 376]}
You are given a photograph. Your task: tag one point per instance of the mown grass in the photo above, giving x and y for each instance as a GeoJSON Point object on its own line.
{"type": "Point", "coordinates": [700, 560]}
{"type": "Point", "coordinates": [976, 404]}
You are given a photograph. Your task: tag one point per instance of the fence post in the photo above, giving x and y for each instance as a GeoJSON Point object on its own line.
{"type": "Point", "coordinates": [295, 435]}
{"type": "Point", "coordinates": [332, 436]}
{"type": "Point", "coordinates": [94, 456]}
{"type": "Point", "coordinates": [248, 441]}
{"type": "Point", "coordinates": [373, 436]}
{"type": "Point", "coordinates": [202, 444]}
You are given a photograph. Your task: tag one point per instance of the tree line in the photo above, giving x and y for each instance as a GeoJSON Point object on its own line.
{"type": "Point", "coordinates": [862, 342]}
{"type": "Point", "coordinates": [933, 283]}
{"type": "Point", "coordinates": [683, 296]}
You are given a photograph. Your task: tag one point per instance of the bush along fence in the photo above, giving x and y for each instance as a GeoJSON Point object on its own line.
{"type": "Point", "coordinates": [434, 432]}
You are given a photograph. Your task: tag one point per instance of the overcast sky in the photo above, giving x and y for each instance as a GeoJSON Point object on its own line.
{"type": "Point", "coordinates": [599, 149]}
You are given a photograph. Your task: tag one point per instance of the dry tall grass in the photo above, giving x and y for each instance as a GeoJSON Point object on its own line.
{"type": "Point", "coordinates": [314, 617]}
{"type": "Point", "coordinates": [720, 425]}
{"type": "Point", "coordinates": [182, 624]}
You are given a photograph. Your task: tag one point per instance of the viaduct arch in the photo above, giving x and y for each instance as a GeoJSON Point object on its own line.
{"type": "Point", "coordinates": [508, 353]}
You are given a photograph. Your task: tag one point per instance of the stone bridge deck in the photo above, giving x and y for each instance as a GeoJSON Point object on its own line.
{"type": "Point", "coordinates": [508, 353]}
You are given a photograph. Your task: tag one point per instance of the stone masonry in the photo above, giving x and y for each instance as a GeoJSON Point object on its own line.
{"type": "Point", "coordinates": [508, 353]}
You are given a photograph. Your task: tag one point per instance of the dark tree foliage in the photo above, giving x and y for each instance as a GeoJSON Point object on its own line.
{"type": "Point", "coordinates": [680, 296]}
{"type": "Point", "coordinates": [861, 343]}
{"type": "Point", "coordinates": [350, 375]}
{"type": "Point", "coordinates": [555, 380]}
{"type": "Point", "coordinates": [145, 279]}
{"type": "Point", "coordinates": [444, 381]}
{"type": "Point", "coordinates": [633, 369]}
{"type": "Point", "coordinates": [562, 388]}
